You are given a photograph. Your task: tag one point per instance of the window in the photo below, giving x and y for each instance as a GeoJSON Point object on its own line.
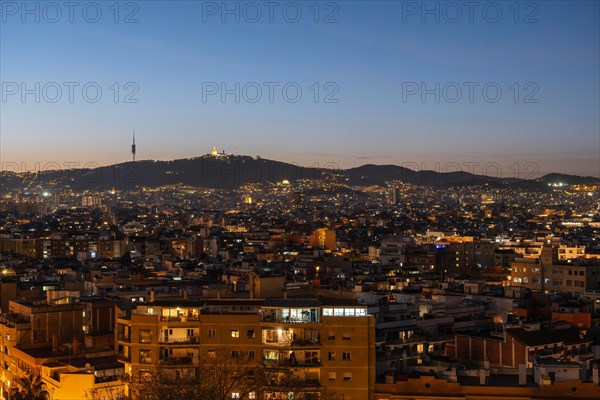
{"type": "Point", "coordinates": [338, 312]}
{"type": "Point", "coordinates": [347, 376]}
{"type": "Point", "coordinates": [331, 356]}
{"type": "Point", "coordinates": [346, 336]}
{"type": "Point", "coordinates": [211, 333]}
{"type": "Point", "coordinates": [235, 395]}
{"type": "Point", "coordinates": [332, 376]}
{"type": "Point", "coordinates": [346, 356]}
{"type": "Point", "coordinates": [145, 357]}
{"type": "Point", "coordinates": [361, 312]}
{"type": "Point", "coordinates": [252, 395]}
{"type": "Point", "coordinates": [211, 353]}
{"type": "Point", "coordinates": [235, 333]}
{"type": "Point", "coordinates": [251, 354]}
{"type": "Point", "coordinates": [235, 354]}
{"type": "Point", "coordinates": [251, 334]}
{"type": "Point", "coordinates": [145, 336]}
{"type": "Point", "coordinates": [327, 312]}
{"type": "Point", "coordinates": [331, 335]}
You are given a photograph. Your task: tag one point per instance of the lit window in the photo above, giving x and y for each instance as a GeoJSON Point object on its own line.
{"type": "Point", "coordinates": [235, 333]}
{"type": "Point", "coordinates": [347, 376]}
{"type": "Point", "coordinates": [327, 311]}
{"type": "Point", "coordinates": [235, 395]}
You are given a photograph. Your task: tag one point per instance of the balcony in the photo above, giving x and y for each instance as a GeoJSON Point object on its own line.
{"type": "Point", "coordinates": [15, 320]}
{"type": "Point", "coordinates": [178, 361]}
{"type": "Point", "coordinates": [285, 363]}
{"type": "Point", "coordinates": [289, 384]}
{"type": "Point", "coordinates": [291, 315]}
{"type": "Point", "coordinates": [105, 379]}
{"type": "Point", "coordinates": [124, 338]}
{"type": "Point", "coordinates": [187, 340]}
{"type": "Point", "coordinates": [306, 342]}
{"type": "Point", "coordinates": [180, 318]}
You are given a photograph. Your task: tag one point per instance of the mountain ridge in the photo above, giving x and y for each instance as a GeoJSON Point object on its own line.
{"type": "Point", "coordinates": [231, 172]}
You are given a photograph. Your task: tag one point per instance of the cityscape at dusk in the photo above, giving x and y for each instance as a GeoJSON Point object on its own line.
{"type": "Point", "coordinates": [299, 200]}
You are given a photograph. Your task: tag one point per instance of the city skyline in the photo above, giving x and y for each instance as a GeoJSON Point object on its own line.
{"type": "Point", "coordinates": [372, 60]}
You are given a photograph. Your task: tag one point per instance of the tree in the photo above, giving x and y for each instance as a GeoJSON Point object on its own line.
{"type": "Point", "coordinates": [29, 387]}
{"type": "Point", "coordinates": [104, 394]}
{"type": "Point", "coordinates": [221, 373]}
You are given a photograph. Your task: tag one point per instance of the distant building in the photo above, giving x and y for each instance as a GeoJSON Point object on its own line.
{"type": "Point", "coordinates": [323, 238]}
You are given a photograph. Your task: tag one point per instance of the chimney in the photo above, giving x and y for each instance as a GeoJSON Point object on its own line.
{"type": "Point", "coordinates": [75, 346]}
{"type": "Point", "coordinates": [152, 296]}
{"type": "Point", "coordinates": [522, 374]}
{"type": "Point", "coordinates": [284, 294]}
{"type": "Point", "coordinates": [185, 294]}
{"type": "Point", "coordinates": [482, 377]}
{"type": "Point", "coordinates": [54, 343]}
{"type": "Point", "coordinates": [595, 375]}
{"type": "Point", "coordinates": [251, 284]}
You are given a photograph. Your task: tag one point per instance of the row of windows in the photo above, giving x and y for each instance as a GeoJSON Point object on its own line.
{"type": "Point", "coordinates": [234, 333]}
{"type": "Point", "coordinates": [146, 358]}
{"type": "Point", "coordinates": [347, 377]}
{"type": "Point", "coordinates": [344, 312]}
{"type": "Point", "coordinates": [331, 356]}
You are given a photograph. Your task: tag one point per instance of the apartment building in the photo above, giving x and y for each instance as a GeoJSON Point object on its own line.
{"type": "Point", "coordinates": [549, 274]}
{"type": "Point", "coordinates": [328, 344]}
{"type": "Point", "coordinates": [62, 339]}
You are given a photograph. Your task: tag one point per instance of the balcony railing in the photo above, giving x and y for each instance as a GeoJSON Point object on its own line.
{"type": "Point", "coordinates": [306, 342]}
{"type": "Point", "coordinates": [295, 384]}
{"type": "Point", "coordinates": [181, 318]}
{"type": "Point", "coordinates": [104, 379]}
{"type": "Point", "coordinates": [178, 361]}
{"type": "Point", "coordinates": [123, 337]}
{"type": "Point", "coordinates": [188, 340]}
{"type": "Point", "coordinates": [291, 363]}
{"type": "Point", "coordinates": [12, 320]}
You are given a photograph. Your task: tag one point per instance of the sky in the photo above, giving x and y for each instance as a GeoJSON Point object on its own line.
{"type": "Point", "coordinates": [500, 88]}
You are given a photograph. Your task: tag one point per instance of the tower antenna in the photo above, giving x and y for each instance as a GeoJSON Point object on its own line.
{"type": "Point", "coordinates": [133, 146]}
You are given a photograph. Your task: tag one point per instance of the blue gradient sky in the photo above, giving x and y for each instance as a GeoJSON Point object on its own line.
{"type": "Point", "coordinates": [369, 53]}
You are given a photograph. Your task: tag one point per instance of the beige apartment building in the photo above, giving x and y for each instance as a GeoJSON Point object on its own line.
{"type": "Point", "coordinates": [328, 346]}
{"type": "Point", "coordinates": [549, 273]}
